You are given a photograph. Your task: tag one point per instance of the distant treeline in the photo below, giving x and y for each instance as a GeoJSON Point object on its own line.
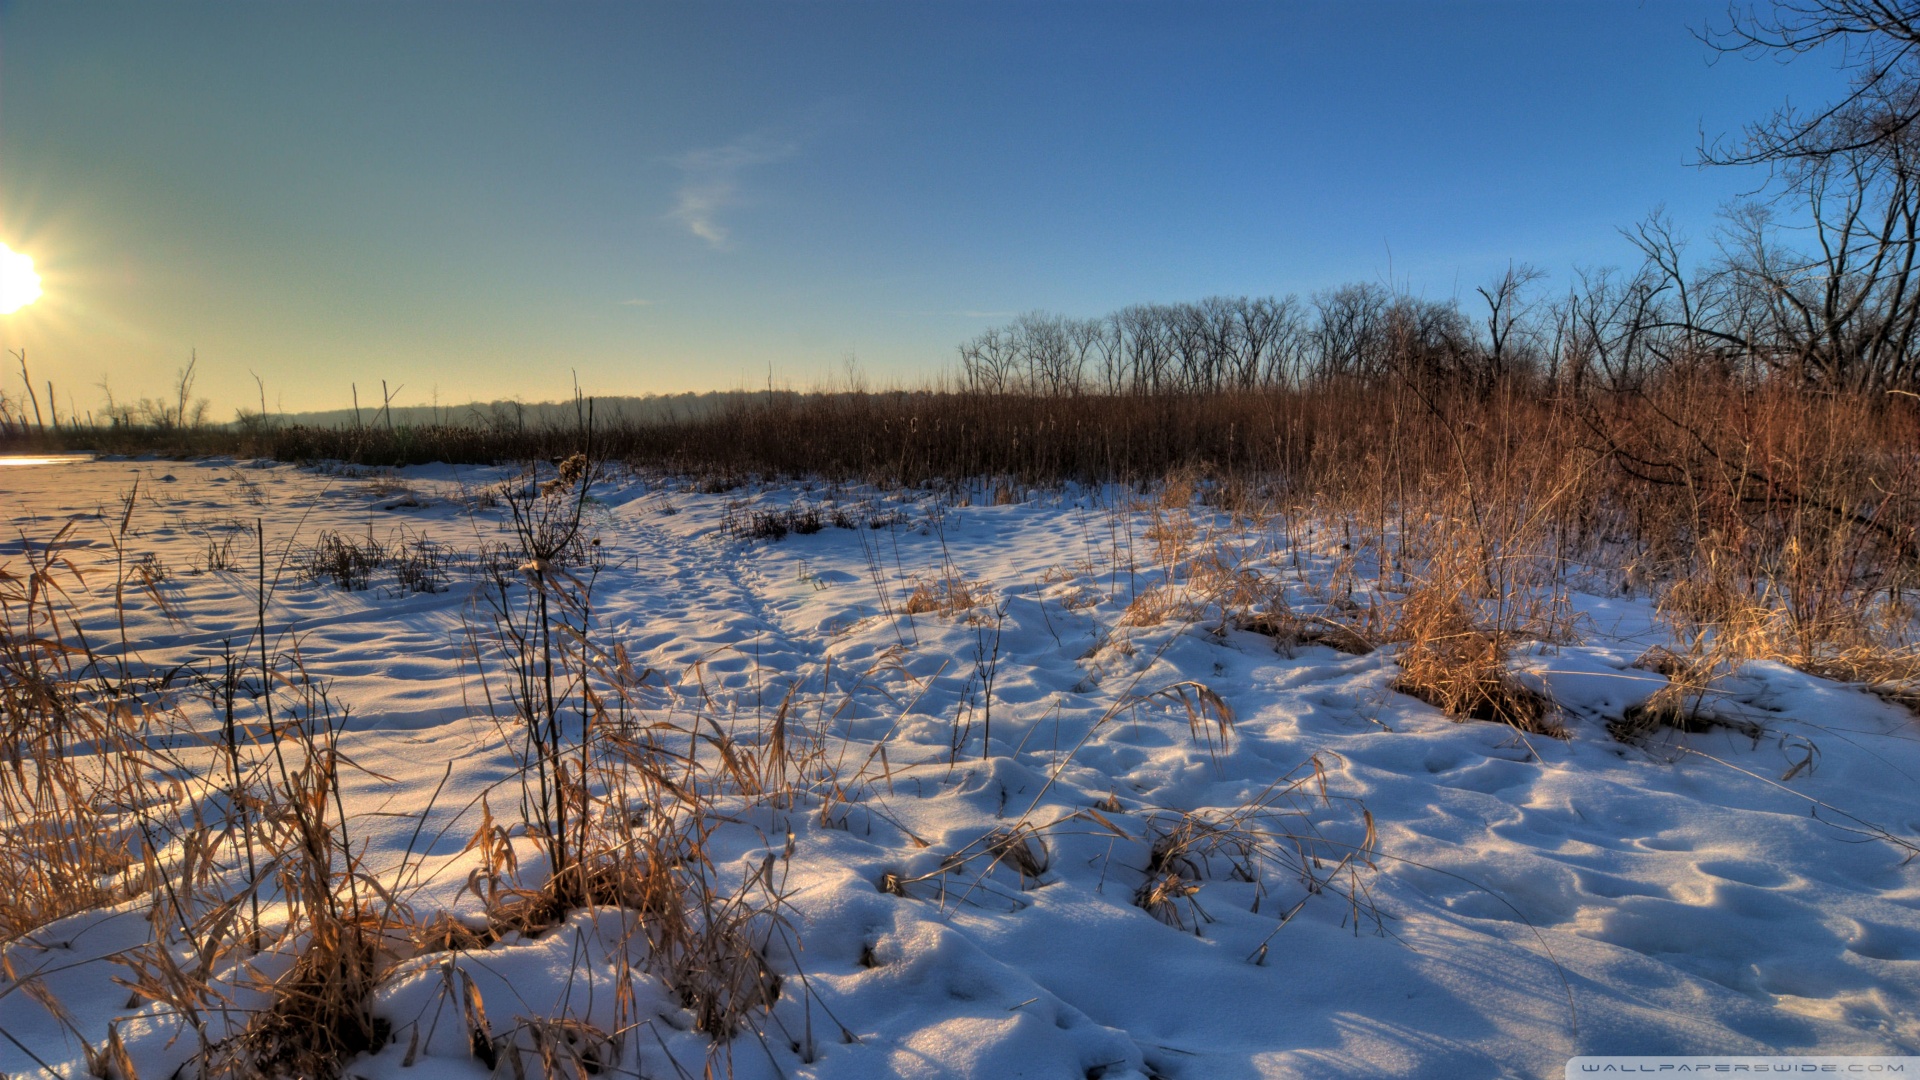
{"type": "Point", "coordinates": [23, 415]}
{"type": "Point", "coordinates": [514, 415]}
{"type": "Point", "coordinates": [1844, 321]}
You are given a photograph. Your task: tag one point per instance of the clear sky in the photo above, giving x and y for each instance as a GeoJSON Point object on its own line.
{"type": "Point", "coordinates": [480, 200]}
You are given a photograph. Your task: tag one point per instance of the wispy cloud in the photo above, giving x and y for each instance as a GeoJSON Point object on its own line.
{"type": "Point", "coordinates": [710, 181]}
{"type": "Point", "coordinates": [636, 302]}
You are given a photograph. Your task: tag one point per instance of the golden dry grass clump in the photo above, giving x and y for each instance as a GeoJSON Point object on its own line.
{"type": "Point", "coordinates": [945, 595]}
{"type": "Point", "coordinates": [237, 834]}
{"type": "Point", "coordinates": [1460, 669]}
{"type": "Point", "coordinates": [1473, 586]}
{"type": "Point", "coordinates": [75, 775]}
{"type": "Point", "coordinates": [1155, 605]}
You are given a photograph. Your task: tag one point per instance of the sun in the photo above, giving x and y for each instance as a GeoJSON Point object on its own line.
{"type": "Point", "coordinates": [19, 284]}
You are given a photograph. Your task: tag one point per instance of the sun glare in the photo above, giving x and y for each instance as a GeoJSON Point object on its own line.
{"type": "Point", "coordinates": [19, 284]}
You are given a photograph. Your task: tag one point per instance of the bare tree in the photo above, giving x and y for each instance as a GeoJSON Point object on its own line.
{"type": "Point", "coordinates": [1149, 346]}
{"type": "Point", "coordinates": [187, 410]}
{"type": "Point", "coordinates": [1431, 343]}
{"type": "Point", "coordinates": [988, 363]}
{"type": "Point", "coordinates": [1046, 352]}
{"type": "Point", "coordinates": [1109, 347]}
{"type": "Point", "coordinates": [1270, 339]}
{"type": "Point", "coordinates": [1841, 316]}
{"type": "Point", "coordinates": [1601, 330]}
{"type": "Point", "coordinates": [1878, 42]}
{"type": "Point", "coordinates": [1349, 338]}
{"type": "Point", "coordinates": [1507, 308]}
{"type": "Point", "coordinates": [1220, 330]}
{"type": "Point", "coordinates": [1094, 347]}
{"type": "Point", "coordinates": [21, 355]}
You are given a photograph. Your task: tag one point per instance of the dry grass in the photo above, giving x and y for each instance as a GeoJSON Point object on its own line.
{"type": "Point", "coordinates": [1768, 527]}
{"type": "Point", "coordinates": [1459, 668]}
{"type": "Point", "coordinates": [1282, 833]}
{"type": "Point", "coordinates": [1290, 630]}
{"type": "Point", "coordinates": [258, 888]}
{"type": "Point", "coordinates": [948, 594]}
{"type": "Point", "coordinates": [1157, 604]}
{"type": "Point", "coordinates": [623, 799]}
{"type": "Point", "coordinates": [238, 864]}
{"type": "Point", "coordinates": [418, 565]}
{"type": "Point", "coordinates": [72, 761]}
{"type": "Point", "coordinates": [1686, 703]}
{"type": "Point", "coordinates": [1209, 717]}
{"type": "Point", "coordinates": [1681, 480]}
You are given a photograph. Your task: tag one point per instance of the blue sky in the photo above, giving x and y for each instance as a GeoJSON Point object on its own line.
{"type": "Point", "coordinates": [481, 201]}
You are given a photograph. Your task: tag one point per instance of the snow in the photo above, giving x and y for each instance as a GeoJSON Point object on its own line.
{"type": "Point", "coordinates": [1534, 899]}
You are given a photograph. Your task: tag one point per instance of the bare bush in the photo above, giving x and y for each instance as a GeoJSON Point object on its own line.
{"type": "Point", "coordinates": [345, 561]}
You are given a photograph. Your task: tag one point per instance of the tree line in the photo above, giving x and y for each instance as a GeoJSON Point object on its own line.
{"type": "Point", "coordinates": [1845, 317]}
{"type": "Point", "coordinates": [1814, 283]}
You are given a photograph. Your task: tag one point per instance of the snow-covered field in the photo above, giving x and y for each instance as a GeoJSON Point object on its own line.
{"type": "Point", "coordinates": [1528, 898]}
